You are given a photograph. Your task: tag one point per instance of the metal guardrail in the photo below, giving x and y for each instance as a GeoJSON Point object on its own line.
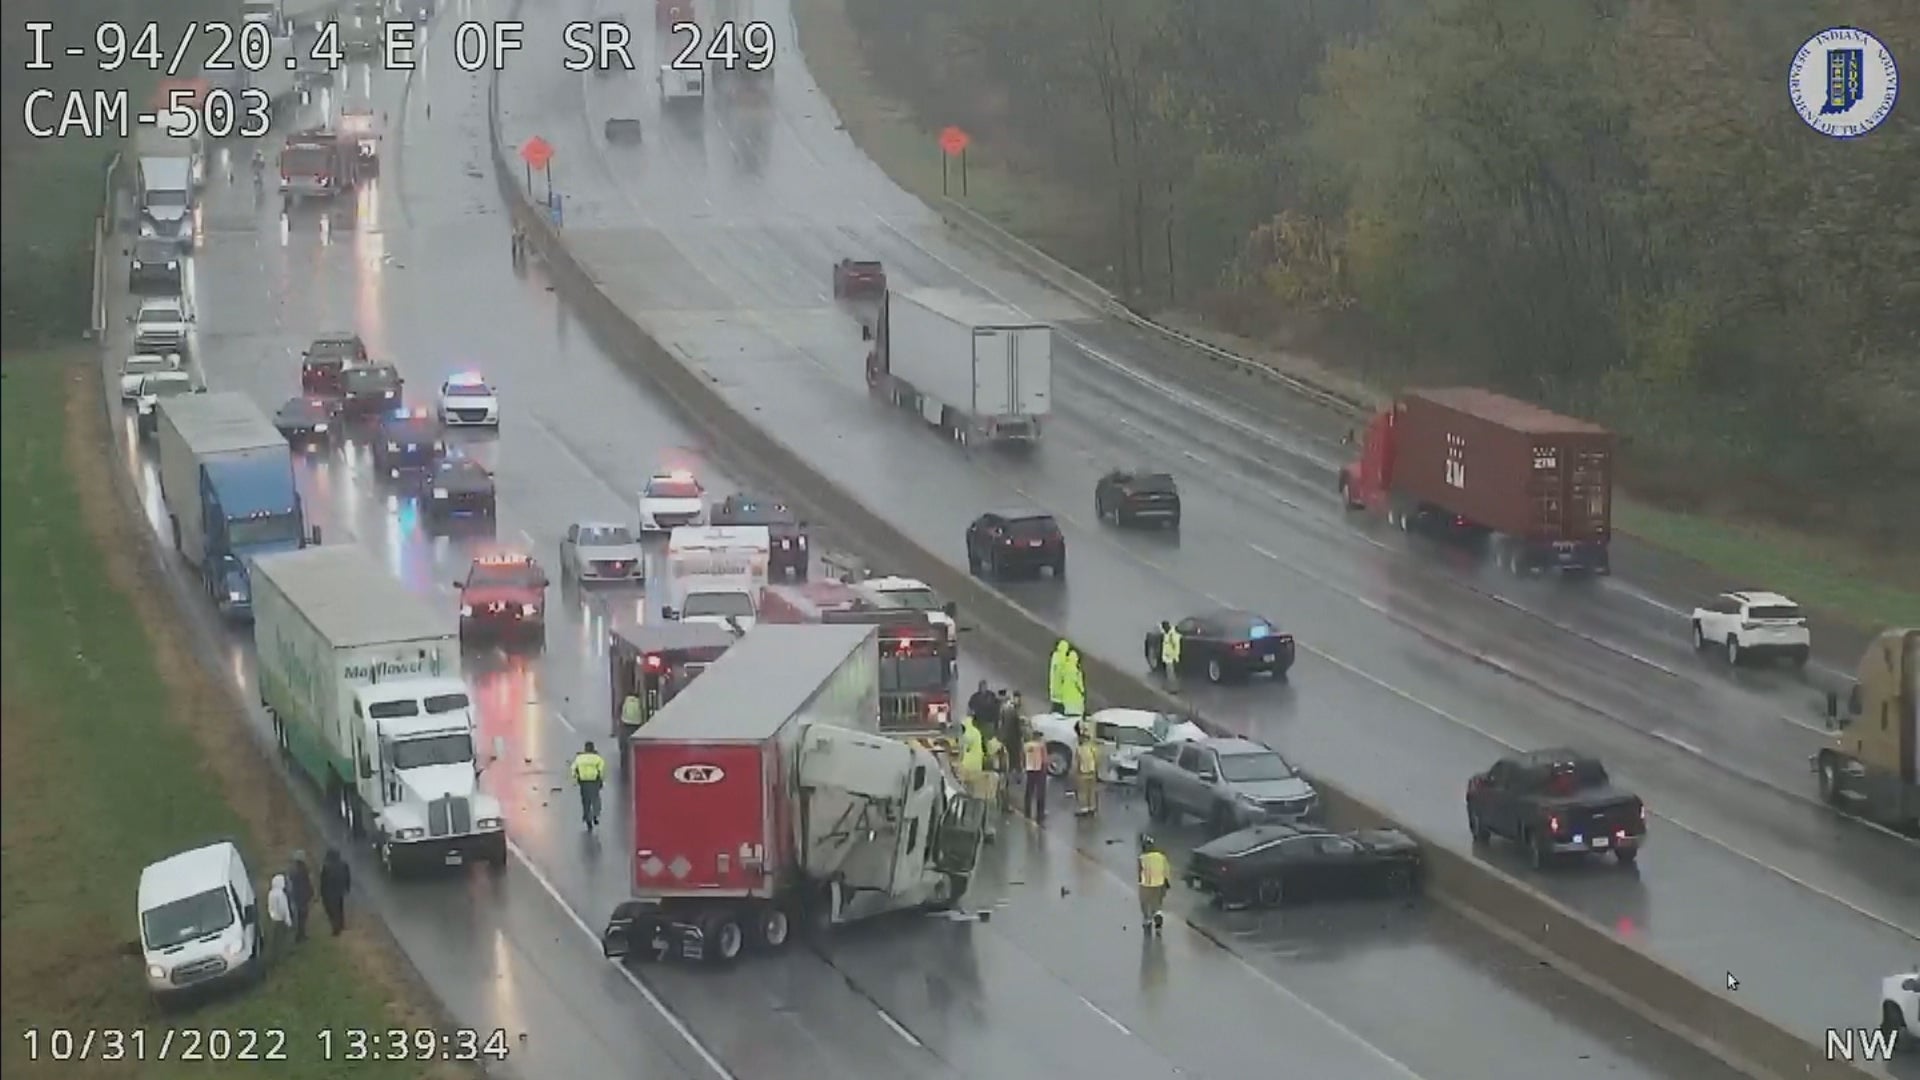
{"type": "Point", "coordinates": [1094, 295]}
{"type": "Point", "coordinates": [1491, 898]}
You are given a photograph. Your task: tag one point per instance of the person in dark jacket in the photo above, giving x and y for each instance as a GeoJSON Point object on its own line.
{"type": "Point", "coordinates": [984, 707]}
{"type": "Point", "coordinates": [336, 881]}
{"type": "Point", "coordinates": [300, 891]}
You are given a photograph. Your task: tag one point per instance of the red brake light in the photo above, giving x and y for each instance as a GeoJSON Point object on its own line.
{"type": "Point", "coordinates": [1553, 824]}
{"type": "Point", "coordinates": [654, 662]}
{"type": "Point", "coordinates": [1241, 647]}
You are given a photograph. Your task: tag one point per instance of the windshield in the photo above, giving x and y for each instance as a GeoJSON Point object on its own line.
{"type": "Point", "coordinates": [912, 674]}
{"type": "Point", "coordinates": [672, 489]}
{"type": "Point", "coordinates": [334, 351]}
{"type": "Point", "coordinates": [183, 920]}
{"type": "Point", "coordinates": [1242, 768]}
{"type": "Point", "coordinates": [255, 531]}
{"type": "Point", "coordinates": [1158, 482]}
{"type": "Point", "coordinates": [147, 252]}
{"type": "Point", "coordinates": [163, 197]}
{"type": "Point", "coordinates": [140, 365]}
{"type": "Point", "coordinates": [912, 599]}
{"type": "Point", "coordinates": [605, 536]}
{"type": "Point", "coordinates": [161, 315]}
{"type": "Point", "coordinates": [451, 749]}
{"type": "Point", "coordinates": [165, 385]}
{"type": "Point", "coordinates": [446, 703]}
{"type": "Point", "coordinates": [469, 390]}
{"type": "Point", "coordinates": [1127, 736]}
{"type": "Point", "coordinates": [512, 574]}
{"type": "Point", "coordinates": [368, 378]}
{"type": "Point", "coordinates": [1774, 611]}
{"type": "Point", "coordinates": [1034, 528]}
{"type": "Point", "coordinates": [722, 604]}
{"type": "Point", "coordinates": [300, 160]}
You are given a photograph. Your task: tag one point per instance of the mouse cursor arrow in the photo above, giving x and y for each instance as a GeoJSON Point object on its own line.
{"type": "Point", "coordinates": [1732, 983]}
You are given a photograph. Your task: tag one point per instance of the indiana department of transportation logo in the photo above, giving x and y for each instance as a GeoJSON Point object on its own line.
{"type": "Point", "coordinates": [1843, 82]}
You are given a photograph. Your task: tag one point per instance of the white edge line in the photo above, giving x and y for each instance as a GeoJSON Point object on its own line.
{"type": "Point", "coordinates": [562, 717]}
{"type": "Point", "coordinates": [673, 1020]}
{"type": "Point", "coordinates": [900, 1029]}
{"type": "Point", "coordinates": [1107, 1016]}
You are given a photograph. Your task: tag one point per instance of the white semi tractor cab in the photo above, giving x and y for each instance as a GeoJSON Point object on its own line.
{"type": "Point", "coordinates": [362, 680]}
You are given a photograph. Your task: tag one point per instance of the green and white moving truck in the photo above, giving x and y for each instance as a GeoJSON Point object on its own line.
{"type": "Point", "coordinates": [362, 680]}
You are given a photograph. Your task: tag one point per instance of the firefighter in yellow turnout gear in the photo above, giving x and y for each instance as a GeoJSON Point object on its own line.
{"type": "Point", "coordinates": [1154, 876]}
{"type": "Point", "coordinates": [1086, 774]}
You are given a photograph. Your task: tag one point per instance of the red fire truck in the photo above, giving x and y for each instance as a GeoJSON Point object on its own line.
{"type": "Point", "coordinates": [318, 164]}
{"type": "Point", "coordinates": [657, 661]}
{"type": "Point", "coordinates": [916, 692]}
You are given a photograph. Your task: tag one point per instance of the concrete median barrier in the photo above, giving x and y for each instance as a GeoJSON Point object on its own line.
{"type": "Point", "coordinates": [1495, 900]}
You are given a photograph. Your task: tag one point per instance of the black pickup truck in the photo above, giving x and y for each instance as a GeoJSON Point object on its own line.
{"type": "Point", "coordinates": [1555, 802]}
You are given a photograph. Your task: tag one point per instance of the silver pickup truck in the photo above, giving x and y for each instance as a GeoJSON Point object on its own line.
{"type": "Point", "coordinates": [1228, 783]}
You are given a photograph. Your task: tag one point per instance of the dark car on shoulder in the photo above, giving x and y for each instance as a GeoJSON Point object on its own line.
{"type": "Point", "coordinates": [1227, 644]}
{"type": "Point", "coordinates": [1137, 497]}
{"type": "Point", "coordinates": [371, 389]}
{"type": "Point", "coordinates": [1556, 803]}
{"type": "Point", "coordinates": [1010, 543]}
{"type": "Point", "coordinates": [153, 266]}
{"type": "Point", "coordinates": [859, 277]}
{"type": "Point", "coordinates": [309, 423]}
{"type": "Point", "coordinates": [326, 358]}
{"type": "Point", "coordinates": [788, 553]}
{"type": "Point", "coordinates": [408, 446]}
{"type": "Point", "coordinates": [1270, 865]}
{"type": "Point", "coordinates": [460, 492]}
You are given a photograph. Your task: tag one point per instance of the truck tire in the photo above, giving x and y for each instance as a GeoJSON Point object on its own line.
{"type": "Point", "coordinates": [725, 938]}
{"type": "Point", "coordinates": [1626, 855]}
{"type": "Point", "coordinates": [1216, 671]}
{"type": "Point", "coordinates": [1059, 568]}
{"type": "Point", "coordinates": [1699, 637]}
{"type": "Point", "coordinates": [1271, 892]}
{"type": "Point", "coordinates": [1157, 807]}
{"type": "Point", "coordinates": [1733, 651]}
{"type": "Point", "coordinates": [1481, 834]}
{"type": "Point", "coordinates": [1059, 760]}
{"type": "Point", "coordinates": [1829, 781]}
{"type": "Point", "coordinates": [1537, 853]}
{"type": "Point", "coordinates": [772, 929]}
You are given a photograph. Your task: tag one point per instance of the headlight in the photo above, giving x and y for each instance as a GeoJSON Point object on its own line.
{"type": "Point", "coordinates": [393, 448]}
{"type": "Point", "coordinates": [803, 541]}
{"type": "Point", "coordinates": [156, 973]}
{"type": "Point", "coordinates": [487, 823]}
{"type": "Point", "coordinates": [137, 264]}
{"type": "Point", "coordinates": [173, 264]}
{"type": "Point", "coordinates": [466, 610]}
{"type": "Point", "coordinates": [439, 493]}
{"type": "Point", "coordinates": [389, 393]}
{"type": "Point", "coordinates": [528, 609]}
{"type": "Point", "coordinates": [235, 949]}
{"type": "Point", "coordinates": [410, 834]}
{"type": "Point", "coordinates": [319, 429]}
{"type": "Point", "coordinates": [235, 595]}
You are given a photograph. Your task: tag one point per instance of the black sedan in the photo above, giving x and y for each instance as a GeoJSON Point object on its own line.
{"type": "Point", "coordinates": [1137, 497]}
{"type": "Point", "coordinates": [371, 389]}
{"type": "Point", "coordinates": [1226, 644]}
{"type": "Point", "coordinates": [309, 423]}
{"type": "Point", "coordinates": [1269, 865]}
{"type": "Point", "coordinates": [461, 492]}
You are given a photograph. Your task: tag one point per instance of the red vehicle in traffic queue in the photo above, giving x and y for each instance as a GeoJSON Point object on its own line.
{"type": "Point", "coordinates": [1463, 464]}
{"type": "Point", "coordinates": [916, 680]}
{"type": "Point", "coordinates": [503, 599]}
{"type": "Point", "coordinates": [317, 164]}
{"type": "Point", "coordinates": [656, 661]}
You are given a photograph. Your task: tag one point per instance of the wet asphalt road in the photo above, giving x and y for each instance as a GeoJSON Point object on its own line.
{"type": "Point", "coordinates": [420, 269]}
{"type": "Point", "coordinates": [718, 232]}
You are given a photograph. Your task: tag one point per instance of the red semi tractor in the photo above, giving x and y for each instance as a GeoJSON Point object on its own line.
{"type": "Point", "coordinates": [1534, 486]}
{"type": "Point", "coordinates": [764, 797]}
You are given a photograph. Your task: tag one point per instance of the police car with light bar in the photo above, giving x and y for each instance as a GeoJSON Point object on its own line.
{"type": "Point", "coordinates": [670, 500]}
{"type": "Point", "coordinates": [467, 400]}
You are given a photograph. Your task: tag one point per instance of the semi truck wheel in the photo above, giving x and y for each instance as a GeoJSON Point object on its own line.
{"type": "Point", "coordinates": [1829, 781]}
{"type": "Point", "coordinates": [771, 929]}
{"type": "Point", "coordinates": [725, 940]}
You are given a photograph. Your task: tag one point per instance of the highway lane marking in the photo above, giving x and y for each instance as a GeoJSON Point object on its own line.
{"type": "Point", "coordinates": [1196, 457]}
{"type": "Point", "coordinates": [562, 717]}
{"type": "Point", "coordinates": [672, 1018]}
{"type": "Point", "coordinates": [1107, 1016]}
{"type": "Point", "coordinates": [1679, 742]}
{"type": "Point", "coordinates": [900, 1029]}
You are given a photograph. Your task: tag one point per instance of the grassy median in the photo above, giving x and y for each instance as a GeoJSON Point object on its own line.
{"type": "Point", "coordinates": [118, 749]}
{"type": "Point", "coordinates": [1869, 588]}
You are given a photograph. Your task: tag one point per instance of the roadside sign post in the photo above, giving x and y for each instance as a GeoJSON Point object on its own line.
{"type": "Point", "coordinates": [953, 144]}
{"type": "Point", "coordinates": [537, 153]}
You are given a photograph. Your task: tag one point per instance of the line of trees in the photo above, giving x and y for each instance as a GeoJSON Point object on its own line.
{"type": "Point", "coordinates": [1607, 206]}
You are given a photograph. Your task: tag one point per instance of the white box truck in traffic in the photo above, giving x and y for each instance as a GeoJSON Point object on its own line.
{"type": "Point", "coordinates": [763, 793]}
{"type": "Point", "coordinates": [362, 680]}
{"type": "Point", "coordinates": [226, 476]}
{"type": "Point", "coordinates": [715, 574]}
{"type": "Point", "coordinates": [978, 370]}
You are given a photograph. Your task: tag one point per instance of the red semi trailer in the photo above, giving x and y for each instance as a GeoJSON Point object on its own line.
{"type": "Point", "coordinates": [1534, 486]}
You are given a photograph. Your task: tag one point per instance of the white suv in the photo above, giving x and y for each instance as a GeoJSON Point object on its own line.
{"type": "Point", "coordinates": [1761, 624]}
{"type": "Point", "coordinates": [1900, 1007]}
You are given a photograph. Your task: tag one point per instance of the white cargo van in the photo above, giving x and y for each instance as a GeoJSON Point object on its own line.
{"type": "Point", "coordinates": [199, 921]}
{"type": "Point", "coordinates": [715, 574]}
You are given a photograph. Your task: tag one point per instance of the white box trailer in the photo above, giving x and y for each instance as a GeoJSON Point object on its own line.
{"type": "Point", "coordinates": [973, 368]}
{"type": "Point", "coordinates": [362, 680]}
{"type": "Point", "coordinates": [715, 574]}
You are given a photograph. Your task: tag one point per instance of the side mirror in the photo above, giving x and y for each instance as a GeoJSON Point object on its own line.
{"type": "Point", "coordinates": [251, 915]}
{"type": "Point", "coordinates": [670, 614]}
{"type": "Point", "coordinates": [866, 332]}
{"type": "Point", "coordinates": [458, 585]}
{"type": "Point", "coordinates": [366, 768]}
{"type": "Point", "coordinates": [952, 609]}
{"type": "Point", "coordinates": [1833, 705]}
{"type": "Point", "coordinates": [1208, 775]}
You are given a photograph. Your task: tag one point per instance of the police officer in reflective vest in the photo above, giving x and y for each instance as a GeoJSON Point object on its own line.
{"type": "Point", "coordinates": [1170, 654]}
{"type": "Point", "coordinates": [589, 771]}
{"type": "Point", "coordinates": [1033, 754]}
{"type": "Point", "coordinates": [1154, 874]}
{"type": "Point", "coordinates": [1057, 665]}
{"type": "Point", "coordinates": [1073, 686]}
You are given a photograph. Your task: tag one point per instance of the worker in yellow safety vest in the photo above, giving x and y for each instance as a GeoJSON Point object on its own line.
{"type": "Point", "coordinates": [1154, 874]}
{"type": "Point", "coordinates": [1033, 755]}
{"type": "Point", "coordinates": [1086, 776]}
{"type": "Point", "coordinates": [1073, 687]}
{"type": "Point", "coordinates": [972, 756]}
{"type": "Point", "coordinates": [1170, 655]}
{"type": "Point", "coordinates": [1057, 666]}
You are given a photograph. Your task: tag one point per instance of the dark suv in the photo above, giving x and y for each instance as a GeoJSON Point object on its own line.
{"type": "Point", "coordinates": [1002, 544]}
{"type": "Point", "coordinates": [1137, 496]}
{"type": "Point", "coordinates": [154, 266]}
{"type": "Point", "coordinates": [788, 552]}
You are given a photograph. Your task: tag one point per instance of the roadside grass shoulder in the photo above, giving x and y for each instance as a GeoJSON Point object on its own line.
{"type": "Point", "coordinates": [120, 749]}
{"type": "Point", "coordinates": [1827, 573]}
